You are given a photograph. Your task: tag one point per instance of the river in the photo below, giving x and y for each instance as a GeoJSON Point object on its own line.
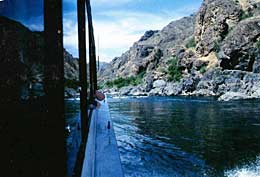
{"type": "Point", "coordinates": [180, 136]}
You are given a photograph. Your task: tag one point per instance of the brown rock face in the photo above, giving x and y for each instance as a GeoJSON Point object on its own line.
{"type": "Point", "coordinates": [239, 50]}
{"type": "Point", "coordinates": [213, 22]}
{"type": "Point", "coordinates": [71, 67]}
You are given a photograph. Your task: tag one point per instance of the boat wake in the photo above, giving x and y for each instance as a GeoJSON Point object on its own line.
{"type": "Point", "coordinates": [251, 170]}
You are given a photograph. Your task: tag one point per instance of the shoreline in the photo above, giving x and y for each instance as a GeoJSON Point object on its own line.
{"type": "Point", "coordinates": [225, 85]}
{"type": "Point", "coordinates": [117, 95]}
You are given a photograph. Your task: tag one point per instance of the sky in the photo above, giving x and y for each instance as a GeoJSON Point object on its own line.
{"type": "Point", "coordinates": [117, 23]}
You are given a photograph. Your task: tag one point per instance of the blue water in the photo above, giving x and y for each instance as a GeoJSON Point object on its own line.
{"type": "Point", "coordinates": [73, 138]}
{"type": "Point", "coordinates": [180, 136]}
{"type": "Point", "coordinates": [166, 136]}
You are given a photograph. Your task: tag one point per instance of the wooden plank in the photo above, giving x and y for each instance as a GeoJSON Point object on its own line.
{"type": "Point", "coordinates": [102, 156]}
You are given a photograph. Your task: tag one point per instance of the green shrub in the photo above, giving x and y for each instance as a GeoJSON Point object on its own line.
{"type": "Point", "coordinates": [71, 83]}
{"type": "Point", "coordinates": [216, 46]}
{"type": "Point", "coordinates": [100, 86]}
{"type": "Point", "coordinates": [109, 84]}
{"type": "Point", "coordinates": [123, 82]}
{"type": "Point", "coordinates": [203, 69]}
{"type": "Point", "coordinates": [174, 71]}
{"type": "Point", "coordinates": [258, 44]}
{"type": "Point", "coordinates": [191, 43]}
{"type": "Point", "coordinates": [244, 15]}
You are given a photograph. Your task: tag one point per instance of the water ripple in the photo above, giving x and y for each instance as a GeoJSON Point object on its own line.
{"type": "Point", "coordinates": [166, 136]}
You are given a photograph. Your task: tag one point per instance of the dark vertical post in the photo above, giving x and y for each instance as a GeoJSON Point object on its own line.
{"type": "Point", "coordinates": [98, 63]}
{"type": "Point", "coordinates": [54, 124]}
{"type": "Point", "coordinates": [82, 66]}
{"type": "Point", "coordinates": [98, 55]}
{"type": "Point", "coordinates": [92, 53]}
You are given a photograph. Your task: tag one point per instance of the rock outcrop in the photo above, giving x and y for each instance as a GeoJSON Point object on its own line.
{"type": "Point", "coordinates": [152, 50]}
{"type": "Point", "coordinates": [214, 20]}
{"type": "Point", "coordinates": [71, 67]}
{"type": "Point", "coordinates": [238, 50]}
{"type": "Point", "coordinates": [214, 53]}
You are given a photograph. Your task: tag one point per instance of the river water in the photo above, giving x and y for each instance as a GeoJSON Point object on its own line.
{"type": "Point", "coordinates": [186, 137]}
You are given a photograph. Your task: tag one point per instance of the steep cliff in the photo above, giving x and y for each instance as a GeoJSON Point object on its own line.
{"type": "Point", "coordinates": [204, 54]}
{"type": "Point", "coordinates": [152, 49]}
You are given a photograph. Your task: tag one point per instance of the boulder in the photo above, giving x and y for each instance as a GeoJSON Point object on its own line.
{"type": "Point", "coordinates": [70, 92]}
{"type": "Point", "coordinates": [233, 96]}
{"type": "Point", "coordinates": [172, 89]}
{"type": "Point", "coordinates": [185, 58]}
{"type": "Point", "coordinates": [256, 66]}
{"type": "Point", "coordinates": [256, 91]}
{"type": "Point", "coordinates": [206, 86]}
{"type": "Point", "coordinates": [159, 84]}
{"type": "Point", "coordinates": [148, 83]}
{"type": "Point", "coordinates": [138, 91]}
{"type": "Point", "coordinates": [125, 90]}
{"type": "Point", "coordinates": [156, 92]}
{"type": "Point", "coordinates": [189, 84]}
{"type": "Point", "coordinates": [203, 92]}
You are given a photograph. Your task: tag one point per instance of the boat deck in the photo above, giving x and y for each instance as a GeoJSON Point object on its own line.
{"type": "Point", "coordinates": [101, 156]}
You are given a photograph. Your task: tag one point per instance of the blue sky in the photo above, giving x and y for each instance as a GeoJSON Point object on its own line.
{"type": "Point", "coordinates": [117, 23]}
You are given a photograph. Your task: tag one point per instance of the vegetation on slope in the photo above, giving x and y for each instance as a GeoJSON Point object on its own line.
{"type": "Point", "coordinates": [191, 43]}
{"type": "Point", "coordinates": [258, 44]}
{"type": "Point", "coordinates": [71, 83]}
{"type": "Point", "coordinates": [123, 82]}
{"type": "Point", "coordinates": [174, 71]}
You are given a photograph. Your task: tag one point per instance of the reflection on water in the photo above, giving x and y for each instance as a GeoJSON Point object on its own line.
{"type": "Point", "coordinates": [72, 116]}
{"type": "Point", "coordinates": [185, 137]}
